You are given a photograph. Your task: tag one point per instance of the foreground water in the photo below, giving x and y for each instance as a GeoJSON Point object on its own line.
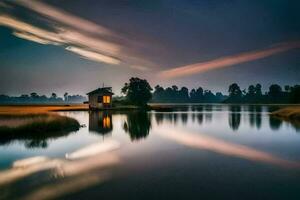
{"type": "Point", "coordinates": [194, 152]}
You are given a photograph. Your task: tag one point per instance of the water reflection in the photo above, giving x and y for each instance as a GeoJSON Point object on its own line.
{"type": "Point", "coordinates": [100, 122]}
{"type": "Point", "coordinates": [32, 140]}
{"type": "Point", "coordinates": [275, 123]}
{"type": "Point", "coordinates": [234, 118]}
{"type": "Point", "coordinates": [138, 125]}
{"type": "Point", "coordinates": [82, 162]}
{"type": "Point", "coordinates": [208, 113]}
{"type": "Point", "coordinates": [184, 117]}
{"type": "Point", "coordinates": [255, 116]}
{"type": "Point", "coordinates": [68, 176]}
{"type": "Point", "coordinates": [217, 145]}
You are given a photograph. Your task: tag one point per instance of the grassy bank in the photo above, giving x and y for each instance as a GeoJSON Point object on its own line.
{"type": "Point", "coordinates": [37, 123]}
{"type": "Point", "coordinates": [288, 113]}
{"type": "Point", "coordinates": [35, 129]}
{"type": "Point", "coordinates": [38, 109]}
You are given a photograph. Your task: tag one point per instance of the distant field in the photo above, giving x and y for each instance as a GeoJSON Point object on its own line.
{"type": "Point", "coordinates": [38, 109]}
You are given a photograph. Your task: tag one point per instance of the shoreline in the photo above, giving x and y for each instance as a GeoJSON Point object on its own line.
{"type": "Point", "coordinates": [290, 113]}
{"type": "Point", "coordinates": [284, 112]}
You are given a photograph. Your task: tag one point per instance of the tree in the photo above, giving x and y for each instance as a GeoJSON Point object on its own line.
{"type": "Point", "coordinates": [275, 93]}
{"type": "Point", "coordinates": [295, 94]}
{"type": "Point", "coordinates": [235, 90]}
{"type": "Point", "coordinates": [251, 91]}
{"type": "Point", "coordinates": [258, 91]}
{"type": "Point", "coordinates": [184, 94]}
{"type": "Point", "coordinates": [275, 90]}
{"type": "Point", "coordinates": [53, 95]}
{"type": "Point", "coordinates": [34, 95]}
{"type": "Point", "coordinates": [235, 93]}
{"type": "Point", "coordinates": [66, 96]}
{"type": "Point", "coordinates": [137, 91]}
{"type": "Point", "coordinates": [287, 88]}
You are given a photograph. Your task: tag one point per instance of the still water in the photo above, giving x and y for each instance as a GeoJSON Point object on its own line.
{"type": "Point", "coordinates": [193, 152]}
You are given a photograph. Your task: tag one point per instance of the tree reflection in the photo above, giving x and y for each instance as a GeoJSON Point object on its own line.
{"type": "Point", "coordinates": [100, 122]}
{"type": "Point", "coordinates": [208, 113]}
{"type": "Point", "coordinates": [138, 125]}
{"type": "Point", "coordinates": [184, 117]}
{"type": "Point", "coordinates": [32, 140]}
{"type": "Point", "coordinates": [275, 123]}
{"type": "Point", "coordinates": [234, 118]}
{"type": "Point", "coordinates": [255, 116]}
{"type": "Point", "coordinates": [159, 117]}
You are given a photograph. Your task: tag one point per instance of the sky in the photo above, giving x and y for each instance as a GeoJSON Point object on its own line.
{"type": "Point", "coordinates": [76, 46]}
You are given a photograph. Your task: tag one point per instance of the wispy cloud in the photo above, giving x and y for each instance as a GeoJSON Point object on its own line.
{"type": "Point", "coordinates": [93, 55]}
{"type": "Point", "coordinates": [33, 38]}
{"type": "Point", "coordinates": [64, 17]}
{"type": "Point", "coordinates": [28, 29]}
{"type": "Point", "coordinates": [227, 61]}
{"type": "Point", "coordinates": [89, 40]}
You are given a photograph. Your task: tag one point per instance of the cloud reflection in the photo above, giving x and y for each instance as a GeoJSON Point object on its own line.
{"type": "Point", "coordinates": [73, 174]}
{"type": "Point", "coordinates": [201, 141]}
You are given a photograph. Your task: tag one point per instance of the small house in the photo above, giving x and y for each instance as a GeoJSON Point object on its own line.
{"type": "Point", "coordinates": [100, 98]}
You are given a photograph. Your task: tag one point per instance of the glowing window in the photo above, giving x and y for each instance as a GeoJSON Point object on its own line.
{"type": "Point", "coordinates": [106, 99]}
{"type": "Point", "coordinates": [106, 122]}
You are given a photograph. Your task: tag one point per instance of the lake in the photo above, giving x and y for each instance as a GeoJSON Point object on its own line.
{"type": "Point", "coordinates": [193, 152]}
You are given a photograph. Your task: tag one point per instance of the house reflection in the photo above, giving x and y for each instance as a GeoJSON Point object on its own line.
{"type": "Point", "coordinates": [100, 122]}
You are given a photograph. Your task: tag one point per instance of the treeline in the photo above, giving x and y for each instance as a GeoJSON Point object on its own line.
{"type": "Point", "coordinates": [34, 98]}
{"type": "Point", "coordinates": [253, 94]}
{"type": "Point", "coordinates": [275, 94]}
{"type": "Point", "coordinates": [183, 95]}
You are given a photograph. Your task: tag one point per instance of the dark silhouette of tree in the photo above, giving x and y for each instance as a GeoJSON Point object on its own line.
{"type": "Point", "coordinates": [137, 91]}
{"type": "Point", "coordinates": [295, 94]}
{"type": "Point", "coordinates": [34, 95]}
{"type": "Point", "coordinates": [35, 98]}
{"type": "Point", "coordinates": [235, 93]}
{"type": "Point", "coordinates": [275, 90]}
{"type": "Point", "coordinates": [53, 95]}
{"type": "Point", "coordinates": [251, 90]}
{"type": "Point", "coordinates": [234, 90]}
{"type": "Point", "coordinates": [258, 91]}
{"type": "Point", "coordinates": [197, 95]}
{"type": "Point", "coordinates": [275, 93]}
{"type": "Point", "coordinates": [66, 96]}
{"type": "Point", "coordinates": [287, 88]}
{"type": "Point", "coordinates": [184, 94]}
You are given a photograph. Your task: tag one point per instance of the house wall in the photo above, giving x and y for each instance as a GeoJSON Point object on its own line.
{"type": "Point", "coordinates": [93, 102]}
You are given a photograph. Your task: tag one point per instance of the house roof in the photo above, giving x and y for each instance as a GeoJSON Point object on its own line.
{"type": "Point", "coordinates": [102, 91]}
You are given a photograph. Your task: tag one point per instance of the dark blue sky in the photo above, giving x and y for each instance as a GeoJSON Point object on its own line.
{"type": "Point", "coordinates": [75, 46]}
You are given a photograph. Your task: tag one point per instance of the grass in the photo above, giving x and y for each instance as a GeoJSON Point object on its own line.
{"type": "Point", "coordinates": [288, 113]}
{"type": "Point", "coordinates": [36, 124]}
{"type": "Point", "coordinates": [38, 109]}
